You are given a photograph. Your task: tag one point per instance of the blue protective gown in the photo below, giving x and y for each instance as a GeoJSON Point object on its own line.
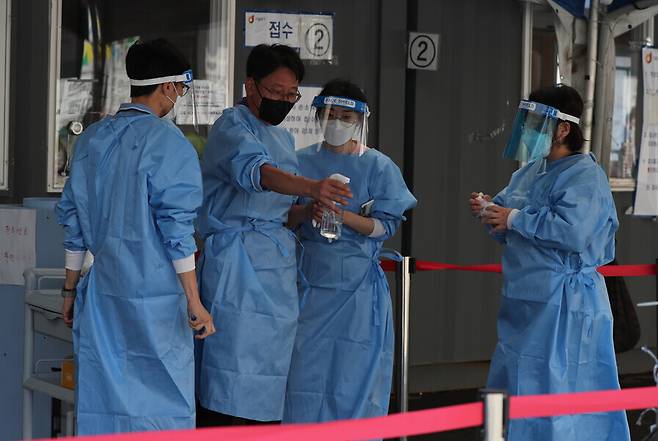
{"type": "Point", "coordinates": [343, 358]}
{"type": "Point", "coordinates": [131, 200]}
{"type": "Point", "coordinates": [248, 270]}
{"type": "Point", "coordinates": [555, 323]}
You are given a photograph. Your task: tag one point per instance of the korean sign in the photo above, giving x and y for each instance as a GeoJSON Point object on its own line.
{"type": "Point", "coordinates": [312, 34]}
{"type": "Point", "coordinates": [646, 199]}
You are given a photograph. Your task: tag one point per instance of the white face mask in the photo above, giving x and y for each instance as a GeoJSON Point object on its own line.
{"type": "Point", "coordinates": [337, 132]}
{"type": "Point", "coordinates": [171, 115]}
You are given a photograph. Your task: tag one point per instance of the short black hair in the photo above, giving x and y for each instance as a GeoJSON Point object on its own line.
{"type": "Point", "coordinates": [265, 59]}
{"type": "Point", "coordinates": [153, 59]}
{"type": "Point", "coordinates": [567, 100]}
{"type": "Point", "coordinates": [344, 88]}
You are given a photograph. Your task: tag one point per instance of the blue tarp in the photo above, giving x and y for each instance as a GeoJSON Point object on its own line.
{"type": "Point", "coordinates": [580, 8]}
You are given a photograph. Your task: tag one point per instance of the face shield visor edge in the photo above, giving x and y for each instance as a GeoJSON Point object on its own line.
{"type": "Point", "coordinates": [337, 120]}
{"type": "Point", "coordinates": [533, 130]}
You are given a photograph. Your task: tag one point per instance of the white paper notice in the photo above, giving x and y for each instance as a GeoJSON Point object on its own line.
{"type": "Point", "coordinates": [117, 83]}
{"type": "Point", "coordinates": [270, 28]}
{"type": "Point", "coordinates": [646, 198]}
{"type": "Point", "coordinates": [317, 37]}
{"type": "Point", "coordinates": [74, 100]}
{"type": "Point", "coordinates": [17, 244]}
{"type": "Point", "coordinates": [312, 34]}
{"type": "Point", "coordinates": [298, 120]}
{"type": "Point", "coordinates": [210, 102]}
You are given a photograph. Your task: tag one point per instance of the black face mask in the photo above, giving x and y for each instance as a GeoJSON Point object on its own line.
{"type": "Point", "coordinates": [273, 111]}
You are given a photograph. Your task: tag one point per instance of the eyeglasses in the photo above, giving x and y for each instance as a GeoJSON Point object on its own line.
{"type": "Point", "coordinates": [186, 89]}
{"type": "Point", "coordinates": [290, 97]}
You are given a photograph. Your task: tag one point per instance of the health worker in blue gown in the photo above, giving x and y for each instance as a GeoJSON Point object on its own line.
{"type": "Point", "coordinates": [343, 357]}
{"type": "Point", "coordinates": [248, 268]}
{"type": "Point", "coordinates": [131, 201]}
{"type": "Point", "coordinates": [557, 221]}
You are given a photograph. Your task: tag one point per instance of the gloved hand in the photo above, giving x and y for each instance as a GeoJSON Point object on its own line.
{"type": "Point", "coordinates": [479, 202]}
{"type": "Point", "coordinates": [200, 320]}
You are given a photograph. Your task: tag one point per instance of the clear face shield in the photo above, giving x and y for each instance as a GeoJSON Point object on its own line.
{"type": "Point", "coordinates": [533, 130]}
{"type": "Point", "coordinates": [185, 104]}
{"type": "Point", "coordinates": [339, 123]}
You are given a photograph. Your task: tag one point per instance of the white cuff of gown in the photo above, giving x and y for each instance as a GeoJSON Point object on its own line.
{"type": "Point", "coordinates": [510, 217]}
{"type": "Point", "coordinates": [185, 264]}
{"type": "Point", "coordinates": [377, 230]}
{"type": "Point", "coordinates": [73, 260]}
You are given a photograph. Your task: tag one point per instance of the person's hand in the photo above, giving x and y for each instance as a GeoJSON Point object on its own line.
{"type": "Point", "coordinates": [329, 191]}
{"type": "Point", "coordinates": [200, 320]}
{"type": "Point", "coordinates": [317, 210]}
{"type": "Point", "coordinates": [67, 310]}
{"type": "Point", "coordinates": [496, 216]}
{"type": "Point", "coordinates": [475, 203]}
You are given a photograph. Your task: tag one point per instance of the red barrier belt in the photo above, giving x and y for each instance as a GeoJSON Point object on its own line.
{"type": "Point", "coordinates": [391, 426]}
{"type": "Point", "coordinates": [534, 406]}
{"type": "Point", "coordinates": [606, 271]}
{"type": "Point", "coordinates": [412, 423]}
{"type": "Point", "coordinates": [628, 270]}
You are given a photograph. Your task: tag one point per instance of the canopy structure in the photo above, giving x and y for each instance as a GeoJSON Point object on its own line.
{"type": "Point", "coordinates": [580, 8]}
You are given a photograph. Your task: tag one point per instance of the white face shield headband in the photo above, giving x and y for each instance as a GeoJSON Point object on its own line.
{"type": "Point", "coordinates": [533, 130]}
{"type": "Point", "coordinates": [187, 78]}
{"type": "Point", "coordinates": [338, 120]}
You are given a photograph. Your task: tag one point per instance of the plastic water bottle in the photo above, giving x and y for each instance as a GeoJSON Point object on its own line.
{"type": "Point", "coordinates": [332, 222]}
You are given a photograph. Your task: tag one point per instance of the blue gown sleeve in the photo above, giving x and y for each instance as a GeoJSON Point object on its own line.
{"type": "Point", "coordinates": [67, 210]}
{"type": "Point", "coordinates": [391, 195]}
{"type": "Point", "coordinates": [175, 191]}
{"type": "Point", "coordinates": [236, 154]}
{"type": "Point", "coordinates": [574, 214]}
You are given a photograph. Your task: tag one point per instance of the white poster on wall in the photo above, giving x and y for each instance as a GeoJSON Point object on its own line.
{"type": "Point", "coordinates": [646, 198]}
{"type": "Point", "coordinates": [312, 34]}
{"type": "Point", "coordinates": [316, 34]}
{"type": "Point", "coordinates": [299, 121]}
{"type": "Point", "coordinates": [209, 98]}
{"type": "Point", "coordinates": [271, 28]}
{"type": "Point", "coordinates": [17, 244]}
{"type": "Point", "coordinates": [117, 83]}
{"type": "Point", "coordinates": [75, 99]}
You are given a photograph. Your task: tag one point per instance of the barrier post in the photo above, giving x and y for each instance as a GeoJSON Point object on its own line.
{"type": "Point", "coordinates": [496, 415]}
{"type": "Point", "coordinates": [403, 292]}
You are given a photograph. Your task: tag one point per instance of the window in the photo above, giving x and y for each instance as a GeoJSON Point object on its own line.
{"type": "Point", "coordinates": [88, 81]}
{"type": "Point", "coordinates": [5, 30]}
{"type": "Point", "coordinates": [626, 113]}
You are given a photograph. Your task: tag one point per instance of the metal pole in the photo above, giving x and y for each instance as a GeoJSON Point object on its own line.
{"type": "Point", "coordinates": [526, 50]}
{"type": "Point", "coordinates": [590, 76]}
{"type": "Point", "coordinates": [605, 74]}
{"type": "Point", "coordinates": [70, 423]}
{"type": "Point", "coordinates": [28, 355]}
{"type": "Point", "coordinates": [402, 298]}
{"type": "Point", "coordinates": [495, 415]}
{"type": "Point", "coordinates": [396, 405]}
{"type": "Point", "coordinates": [649, 31]}
{"type": "Point", "coordinates": [405, 278]}
{"type": "Point", "coordinates": [408, 154]}
{"type": "Point", "coordinates": [27, 371]}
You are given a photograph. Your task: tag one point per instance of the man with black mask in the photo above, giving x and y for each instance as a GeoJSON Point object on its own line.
{"type": "Point", "coordinates": [248, 269]}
